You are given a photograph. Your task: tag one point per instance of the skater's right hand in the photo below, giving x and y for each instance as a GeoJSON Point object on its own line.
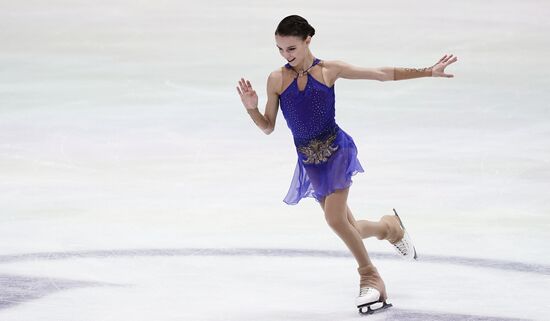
{"type": "Point", "coordinates": [248, 95]}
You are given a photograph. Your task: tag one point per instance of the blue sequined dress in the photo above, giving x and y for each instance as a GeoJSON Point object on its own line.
{"type": "Point", "coordinates": [327, 156]}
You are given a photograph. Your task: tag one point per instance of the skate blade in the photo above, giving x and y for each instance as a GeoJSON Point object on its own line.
{"type": "Point", "coordinates": [415, 256]}
{"type": "Point", "coordinates": [375, 307]}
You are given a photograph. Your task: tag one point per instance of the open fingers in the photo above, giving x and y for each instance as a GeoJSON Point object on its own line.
{"type": "Point", "coordinates": [242, 84]}
{"type": "Point", "coordinates": [450, 59]}
{"type": "Point", "coordinates": [447, 60]}
{"type": "Point", "coordinates": [245, 85]}
{"type": "Point", "coordinates": [453, 60]}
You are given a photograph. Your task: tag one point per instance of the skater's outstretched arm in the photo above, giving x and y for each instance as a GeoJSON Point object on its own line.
{"type": "Point", "coordinates": [339, 69]}
{"type": "Point", "coordinates": [249, 98]}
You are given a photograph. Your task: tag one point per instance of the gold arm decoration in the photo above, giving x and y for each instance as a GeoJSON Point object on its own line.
{"type": "Point", "coordinates": [408, 73]}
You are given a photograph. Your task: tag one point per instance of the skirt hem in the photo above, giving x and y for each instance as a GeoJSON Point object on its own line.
{"type": "Point", "coordinates": [332, 190]}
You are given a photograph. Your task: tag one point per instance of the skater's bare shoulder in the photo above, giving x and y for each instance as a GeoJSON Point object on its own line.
{"type": "Point", "coordinates": [274, 81]}
{"type": "Point", "coordinates": [336, 69]}
{"type": "Point", "coordinates": [329, 69]}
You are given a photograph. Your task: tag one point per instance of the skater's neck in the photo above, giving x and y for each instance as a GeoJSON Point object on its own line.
{"type": "Point", "coordinates": [306, 63]}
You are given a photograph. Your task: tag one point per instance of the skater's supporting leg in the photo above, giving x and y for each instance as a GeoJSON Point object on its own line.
{"type": "Point", "coordinates": [372, 289]}
{"type": "Point", "coordinates": [335, 209]}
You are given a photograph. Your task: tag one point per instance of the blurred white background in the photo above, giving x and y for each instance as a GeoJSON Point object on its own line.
{"type": "Point", "coordinates": [121, 129]}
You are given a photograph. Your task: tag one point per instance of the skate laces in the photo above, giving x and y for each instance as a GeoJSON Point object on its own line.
{"type": "Point", "coordinates": [402, 246]}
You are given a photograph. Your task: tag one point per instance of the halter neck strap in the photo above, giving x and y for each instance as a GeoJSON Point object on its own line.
{"type": "Point", "coordinates": [315, 61]}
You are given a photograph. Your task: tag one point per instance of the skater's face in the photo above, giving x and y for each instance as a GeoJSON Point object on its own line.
{"type": "Point", "coordinates": [292, 48]}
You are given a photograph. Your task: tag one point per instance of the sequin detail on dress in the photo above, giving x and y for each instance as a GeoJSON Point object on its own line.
{"type": "Point", "coordinates": [318, 151]}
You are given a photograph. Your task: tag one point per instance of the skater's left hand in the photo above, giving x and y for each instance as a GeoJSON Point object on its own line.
{"type": "Point", "coordinates": [438, 70]}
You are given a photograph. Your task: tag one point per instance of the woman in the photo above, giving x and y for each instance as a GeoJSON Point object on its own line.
{"type": "Point", "coordinates": [327, 155]}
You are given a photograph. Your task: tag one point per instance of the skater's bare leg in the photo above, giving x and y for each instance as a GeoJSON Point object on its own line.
{"type": "Point", "coordinates": [342, 222]}
{"type": "Point", "coordinates": [336, 215]}
{"type": "Point", "coordinates": [365, 228]}
{"type": "Point", "coordinates": [369, 228]}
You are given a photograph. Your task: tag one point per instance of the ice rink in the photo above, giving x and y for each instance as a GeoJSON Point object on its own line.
{"type": "Point", "coordinates": [134, 186]}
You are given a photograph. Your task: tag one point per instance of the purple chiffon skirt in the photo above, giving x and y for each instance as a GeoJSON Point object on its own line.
{"type": "Point", "coordinates": [317, 175]}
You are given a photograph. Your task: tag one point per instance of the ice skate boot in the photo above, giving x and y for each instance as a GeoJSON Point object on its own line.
{"type": "Point", "coordinates": [398, 237]}
{"type": "Point", "coordinates": [372, 293]}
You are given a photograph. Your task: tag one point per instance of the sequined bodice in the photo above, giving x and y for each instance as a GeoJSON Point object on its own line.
{"type": "Point", "coordinates": [309, 113]}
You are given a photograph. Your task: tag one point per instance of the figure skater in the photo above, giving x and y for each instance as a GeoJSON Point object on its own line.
{"type": "Point", "coordinates": [327, 155]}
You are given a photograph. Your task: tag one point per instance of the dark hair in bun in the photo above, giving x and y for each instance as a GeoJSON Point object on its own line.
{"type": "Point", "coordinates": [295, 25]}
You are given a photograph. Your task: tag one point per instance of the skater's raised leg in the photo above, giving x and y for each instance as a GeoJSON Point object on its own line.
{"type": "Point", "coordinates": [383, 229]}
{"type": "Point", "coordinates": [389, 228]}
{"type": "Point", "coordinates": [365, 228]}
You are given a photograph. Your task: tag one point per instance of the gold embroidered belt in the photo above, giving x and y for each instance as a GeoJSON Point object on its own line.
{"type": "Point", "coordinates": [319, 150]}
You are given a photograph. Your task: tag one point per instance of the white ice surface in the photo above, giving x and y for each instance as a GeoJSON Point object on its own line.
{"type": "Point", "coordinates": [133, 186]}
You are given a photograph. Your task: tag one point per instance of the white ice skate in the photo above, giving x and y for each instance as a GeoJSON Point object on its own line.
{"type": "Point", "coordinates": [369, 301]}
{"type": "Point", "coordinates": [404, 247]}
{"type": "Point", "coordinates": [372, 291]}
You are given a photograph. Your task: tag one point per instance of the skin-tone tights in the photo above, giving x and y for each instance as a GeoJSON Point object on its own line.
{"type": "Point", "coordinates": [352, 232]}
